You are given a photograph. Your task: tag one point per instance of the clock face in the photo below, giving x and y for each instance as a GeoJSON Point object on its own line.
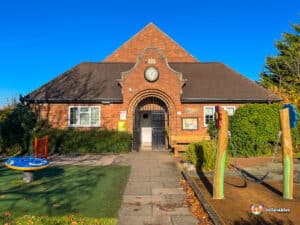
{"type": "Point", "coordinates": [151, 74]}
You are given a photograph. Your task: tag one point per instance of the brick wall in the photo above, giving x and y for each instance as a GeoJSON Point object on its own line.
{"type": "Point", "coordinates": [150, 36]}
{"type": "Point", "coordinates": [135, 88]}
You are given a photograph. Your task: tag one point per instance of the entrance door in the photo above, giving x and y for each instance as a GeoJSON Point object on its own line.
{"type": "Point", "coordinates": [158, 129]}
{"type": "Point", "coordinates": [146, 129]}
{"type": "Point", "coordinates": [150, 122]}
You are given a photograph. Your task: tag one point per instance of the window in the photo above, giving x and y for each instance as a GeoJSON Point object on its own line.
{"type": "Point", "coordinates": [209, 112]}
{"type": "Point", "coordinates": [229, 109]}
{"type": "Point", "coordinates": [84, 116]}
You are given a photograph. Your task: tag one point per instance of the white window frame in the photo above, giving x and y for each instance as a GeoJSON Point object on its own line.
{"type": "Point", "coordinates": [214, 110]}
{"type": "Point", "coordinates": [229, 106]}
{"type": "Point", "coordinates": [78, 119]}
{"type": "Point", "coordinates": [204, 116]}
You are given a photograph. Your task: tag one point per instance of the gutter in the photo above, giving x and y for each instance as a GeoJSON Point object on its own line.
{"type": "Point", "coordinates": [222, 100]}
{"type": "Point", "coordinates": [100, 100]}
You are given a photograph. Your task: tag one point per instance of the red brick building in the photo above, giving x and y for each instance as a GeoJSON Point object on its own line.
{"type": "Point", "coordinates": [150, 86]}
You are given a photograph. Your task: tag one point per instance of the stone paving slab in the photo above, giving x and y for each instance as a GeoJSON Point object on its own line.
{"type": "Point", "coordinates": [138, 188]}
{"type": "Point", "coordinates": [175, 199]}
{"type": "Point", "coordinates": [153, 195]}
{"type": "Point", "coordinates": [136, 209]}
{"type": "Point", "coordinates": [184, 220]}
{"type": "Point", "coordinates": [167, 191]}
{"type": "Point", "coordinates": [170, 209]}
{"type": "Point", "coordinates": [145, 220]}
{"type": "Point", "coordinates": [144, 199]}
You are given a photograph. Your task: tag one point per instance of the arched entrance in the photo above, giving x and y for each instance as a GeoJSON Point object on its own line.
{"type": "Point", "coordinates": [151, 119]}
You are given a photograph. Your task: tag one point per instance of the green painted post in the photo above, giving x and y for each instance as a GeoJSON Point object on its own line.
{"type": "Point", "coordinates": [218, 182]}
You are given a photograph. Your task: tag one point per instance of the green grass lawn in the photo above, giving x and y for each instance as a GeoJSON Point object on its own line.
{"type": "Point", "coordinates": [63, 194]}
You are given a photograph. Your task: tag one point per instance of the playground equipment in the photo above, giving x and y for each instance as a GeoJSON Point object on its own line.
{"type": "Point", "coordinates": [29, 164]}
{"type": "Point", "coordinates": [243, 173]}
{"type": "Point", "coordinates": [288, 119]}
{"type": "Point", "coordinates": [222, 124]}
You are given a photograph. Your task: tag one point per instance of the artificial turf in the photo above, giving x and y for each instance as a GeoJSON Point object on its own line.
{"type": "Point", "coordinates": [59, 191]}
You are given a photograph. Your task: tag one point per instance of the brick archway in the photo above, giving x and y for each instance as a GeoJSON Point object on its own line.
{"type": "Point", "coordinates": [156, 94]}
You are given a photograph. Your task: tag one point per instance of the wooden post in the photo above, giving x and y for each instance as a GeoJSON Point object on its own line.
{"type": "Point", "coordinates": [287, 155]}
{"type": "Point", "coordinates": [218, 186]}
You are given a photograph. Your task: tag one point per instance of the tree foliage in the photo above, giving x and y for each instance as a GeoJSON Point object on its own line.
{"type": "Point", "coordinates": [282, 72]}
{"type": "Point", "coordinates": [16, 130]}
{"type": "Point", "coordinates": [255, 128]}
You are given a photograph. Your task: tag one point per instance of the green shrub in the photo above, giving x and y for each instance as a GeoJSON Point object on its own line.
{"type": "Point", "coordinates": [16, 130]}
{"type": "Point", "coordinates": [254, 129]}
{"type": "Point", "coordinates": [212, 130]}
{"type": "Point", "coordinates": [85, 141]}
{"type": "Point", "coordinates": [203, 154]}
{"type": "Point", "coordinates": [4, 112]}
{"type": "Point", "coordinates": [296, 137]}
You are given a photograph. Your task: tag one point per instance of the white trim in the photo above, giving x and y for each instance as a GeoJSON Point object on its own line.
{"type": "Point", "coordinates": [78, 121]}
{"type": "Point", "coordinates": [229, 106]}
{"type": "Point", "coordinates": [204, 116]}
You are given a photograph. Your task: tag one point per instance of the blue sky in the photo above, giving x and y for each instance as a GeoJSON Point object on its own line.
{"type": "Point", "coordinates": [41, 39]}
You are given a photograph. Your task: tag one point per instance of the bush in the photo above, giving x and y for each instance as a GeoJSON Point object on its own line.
{"type": "Point", "coordinates": [296, 137]}
{"type": "Point", "coordinates": [16, 130]}
{"type": "Point", "coordinates": [212, 130]}
{"type": "Point", "coordinates": [4, 112]}
{"type": "Point", "coordinates": [254, 129]}
{"type": "Point", "coordinates": [203, 154]}
{"type": "Point", "coordinates": [85, 141]}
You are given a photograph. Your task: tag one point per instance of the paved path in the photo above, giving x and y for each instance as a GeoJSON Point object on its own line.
{"type": "Point", "coordinates": [153, 194]}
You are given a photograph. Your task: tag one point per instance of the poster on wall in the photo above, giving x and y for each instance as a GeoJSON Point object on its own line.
{"type": "Point", "coordinates": [189, 123]}
{"type": "Point", "coordinates": [123, 115]}
{"type": "Point", "coordinates": [122, 126]}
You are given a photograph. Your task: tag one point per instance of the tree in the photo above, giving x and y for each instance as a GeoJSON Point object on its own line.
{"type": "Point", "coordinates": [16, 130]}
{"type": "Point", "coordinates": [282, 72]}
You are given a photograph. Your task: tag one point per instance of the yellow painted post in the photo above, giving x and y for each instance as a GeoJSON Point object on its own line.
{"type": "Point", "coordinates": [287, 155]}
{"type": "Point", "coordinates": [218, 186]}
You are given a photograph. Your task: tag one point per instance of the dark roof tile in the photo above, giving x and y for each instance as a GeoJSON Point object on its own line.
{"type": "Point", "coordinates": [96, 82]}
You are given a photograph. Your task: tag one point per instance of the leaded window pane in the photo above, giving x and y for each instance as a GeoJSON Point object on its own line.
{"type": "Point", "coordinates": [94, 116]}
{"type": "Point", "coordinates": [209, 111]}
{"type": "Point", "coordinates": [84, 109]}
{"type": "Point", "coordinates": [73, 116]}
{"type": "Point", "coordinates": [209, 115]}
{"type": "Point", "coordinates": [230, 111]}
{"type": "Point", "coordinates": [84, 119]}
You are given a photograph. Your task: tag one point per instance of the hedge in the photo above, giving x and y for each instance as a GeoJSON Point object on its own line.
{"type": "Point", "coordinates": [203, 154]}
{"type": "Point", "coordinates": [87, 141]}
{"type": "Point", "coordinates": [18, 129]}
{"type": "Point", "coordinates": [296, 137]}
{"type": "Point", "coordinates": [254, 129]}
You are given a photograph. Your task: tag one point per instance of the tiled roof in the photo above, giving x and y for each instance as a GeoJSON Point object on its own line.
{"type": "Point", "coordinates": [96, 82]}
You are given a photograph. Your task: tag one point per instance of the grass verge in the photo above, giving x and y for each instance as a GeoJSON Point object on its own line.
{"type": "Point", "coordinates": [59, 194]}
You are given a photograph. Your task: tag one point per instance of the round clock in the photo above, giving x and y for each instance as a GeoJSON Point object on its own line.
{"type": "Point", "coordinates": [151, 74]}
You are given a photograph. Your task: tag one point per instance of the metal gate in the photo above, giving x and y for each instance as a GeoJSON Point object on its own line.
{"type": "Point", "coordinates": [150, 122]}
